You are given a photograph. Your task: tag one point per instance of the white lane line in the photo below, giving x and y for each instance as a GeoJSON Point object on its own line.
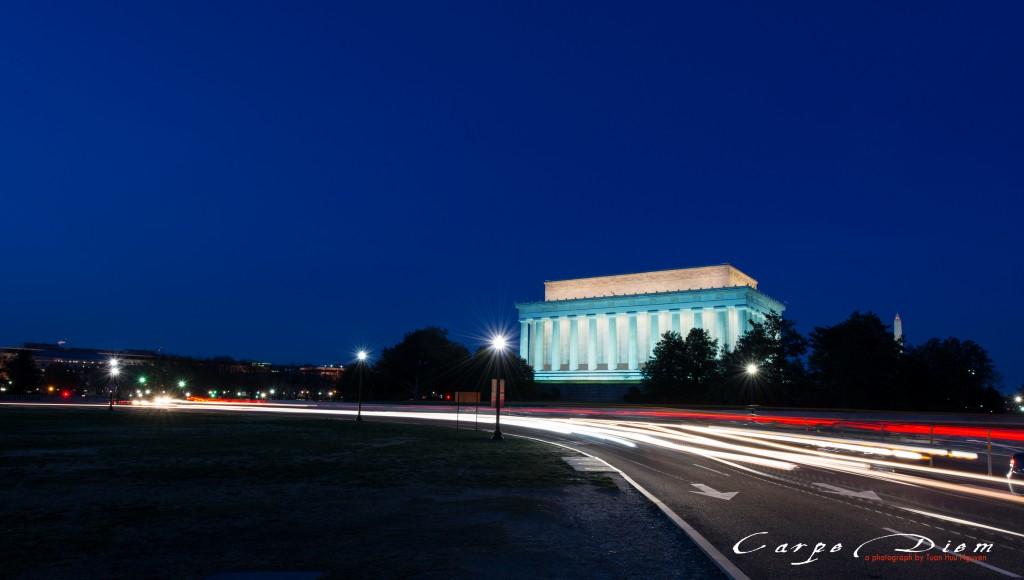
{"type": "Point", "coordinates": [959, 521]}
{"type": "Point", "coordinates": [723, 563]}
{"type": "Point", "coordinates": [709, 469]}
{"type": "Point", "coordinates": [972, 561]}
{"type": "Point", "coordinates": [743, 467]}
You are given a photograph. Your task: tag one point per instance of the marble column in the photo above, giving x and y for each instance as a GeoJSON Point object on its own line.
{"type": "Point", "coordinates": [574, 344]}
{"type": "Point", "coordinates": [722, 327]}
{"type": "Point", "coordinates": [524, 339]}
{"type": "Point", "coordinates": [675, 322]}
{"type": "Point", "coordinates": [632, 352]}
{"type": "Point", "coordinates": [741, 318]}
{"type": "Point", "coordinates": [612, 344]}
{"type": "Point", "coordinates": [591, 342]}
{"type": "Point", "coordinates": [538, 345]}
{"type": "Point", "coordinates": [655, 336]}
{"type": "Point", "coordinates": [556, 344]}
{"type": "Point", "coordinates": [698, 318]}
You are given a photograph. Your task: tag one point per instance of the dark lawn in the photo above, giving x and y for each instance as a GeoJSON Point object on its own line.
{"type": "Point", "coordinates": [154, 493]}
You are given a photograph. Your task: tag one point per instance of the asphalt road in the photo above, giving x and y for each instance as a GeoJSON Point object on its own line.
{"type": "Point", "coordinates": [810, 506]}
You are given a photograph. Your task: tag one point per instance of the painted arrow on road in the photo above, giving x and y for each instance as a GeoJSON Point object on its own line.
{"type": "Point", "coordinates": [843, 491]}
{"type": "Point", "coordinates": [705, 490]}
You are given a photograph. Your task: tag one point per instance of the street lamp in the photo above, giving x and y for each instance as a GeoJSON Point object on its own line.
{"type": "Point", "coordinates": [114, 372]}
{"type": "Point", "coordinates": [498, 343]}
{"type": "Point", "coordinates": [359, 370]}
{"type": "Point", "coordinates": [752, 374]}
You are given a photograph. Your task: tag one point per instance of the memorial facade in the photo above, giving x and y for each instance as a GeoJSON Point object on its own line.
{"type": "Point", "coordinates": [590, 337]}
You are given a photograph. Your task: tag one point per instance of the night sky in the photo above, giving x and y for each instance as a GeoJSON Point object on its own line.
{"type": "Point", "coordinates": [290, 181]}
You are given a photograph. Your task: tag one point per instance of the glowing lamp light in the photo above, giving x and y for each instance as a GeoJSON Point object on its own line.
{"type": "Point", "coordinates": [362, 355]}
{"type": "Point", "coordinates": [751, 369]}
{"type": "Point", "coordinates": [181, 384]}
{"type": "Point", "coordinates": [499, 342]}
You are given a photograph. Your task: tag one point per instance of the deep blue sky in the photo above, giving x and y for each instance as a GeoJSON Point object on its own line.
{"type": "Point", "coordinates": [287, 181]}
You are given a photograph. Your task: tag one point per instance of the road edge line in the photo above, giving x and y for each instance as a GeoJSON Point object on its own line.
{"type": "Point", "coordinates": [723, 563]}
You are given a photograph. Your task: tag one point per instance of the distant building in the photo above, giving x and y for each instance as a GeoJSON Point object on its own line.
{"type": "Point", "coordinates": [331, 371]}
{"type": "Point", "coordinates": [897, 328]}
{"type": "Point", "coordinates": [590, 337]}
{"type": "Point", "coordinates": [46, 354]}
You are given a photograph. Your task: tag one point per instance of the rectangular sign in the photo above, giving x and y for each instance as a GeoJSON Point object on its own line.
{"type": "Point", "coordinates": [467, 397]}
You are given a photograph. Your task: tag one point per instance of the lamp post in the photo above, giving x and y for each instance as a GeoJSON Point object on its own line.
{"type": "Point", "coordinates": [359, 369]}
{"type": "Point", "coordinates": [498, 344]}
{"type": "Point", "coordinates": [752, 375]}
{"type": "Point", "coordinates": [1018, 400]}
{"type": "Point", "coordinates": [114, 371]}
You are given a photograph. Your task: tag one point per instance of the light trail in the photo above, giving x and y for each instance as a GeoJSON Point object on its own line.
{"type": "Point", "coordinates": [772, 449]}
{"type": "Point", "coordinates": [881, 463]}
{"type": "Point", "coordinates": [840, 443]}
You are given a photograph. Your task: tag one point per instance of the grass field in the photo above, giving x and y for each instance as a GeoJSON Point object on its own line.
{"type": "Point", "coordinates": [152, 493]}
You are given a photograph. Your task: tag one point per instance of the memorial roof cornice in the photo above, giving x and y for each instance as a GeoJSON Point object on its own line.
{"type": "Point", "coordinates": [716, 293]}
{"type": "Point", "coordinates": [663, 270]}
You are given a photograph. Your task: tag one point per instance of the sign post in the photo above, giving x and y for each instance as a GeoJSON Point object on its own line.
{"type": "Point", "coordinates": [497, 398]}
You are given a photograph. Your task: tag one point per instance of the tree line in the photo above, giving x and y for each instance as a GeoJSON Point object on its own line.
{"type": "Point", "coordinates": [856, 364]}
{"type": "Point", "coordinates": [425, 365]}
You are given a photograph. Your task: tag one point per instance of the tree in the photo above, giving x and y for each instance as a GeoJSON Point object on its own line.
{"type": "Point", "coordinates": [359, 373]}
{"type": "Point", "coordinates": [777, 349]}
{"type": "Point", "coordinates": [854, 364]}
{"type": "Point", "coordinates": [518, 375]}
{"type": "Point", "coordinates": [681, 369]}
{"type": "Point", "coordinates": [425, 361]}
{"type": "Point", "coordinates": [22, 373]}
{"type": "Point", "coordinates": [951, 375]}
{"type": "Point", "coordinates": [664, 376]}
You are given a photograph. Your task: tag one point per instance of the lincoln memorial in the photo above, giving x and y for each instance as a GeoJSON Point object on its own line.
{"type": "Point", "coordinates": [591, 336]}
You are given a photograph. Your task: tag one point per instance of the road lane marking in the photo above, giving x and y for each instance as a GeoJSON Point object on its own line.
{"type": "Point", "coordinates": [709, 469]}
{"type": "Point", "coordinates": [743, 467]}
{"type": "Point", "coordinates": [989, 566]}
{"type": "Point", "coordinates": [868, 494]}
{"type": "Point", "coordinates": [711, 492]}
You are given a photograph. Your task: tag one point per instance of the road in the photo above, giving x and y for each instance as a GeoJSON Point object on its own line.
{"type": "Point", "coordinates": [782, 499]}
{"type": "Point", "coordinates": [833, 512]}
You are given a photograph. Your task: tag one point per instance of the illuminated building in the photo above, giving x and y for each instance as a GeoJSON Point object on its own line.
{"type": "Point", "coordinates": [46, 354]}
{"type": "Point", "coordinates": [590, 337]}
